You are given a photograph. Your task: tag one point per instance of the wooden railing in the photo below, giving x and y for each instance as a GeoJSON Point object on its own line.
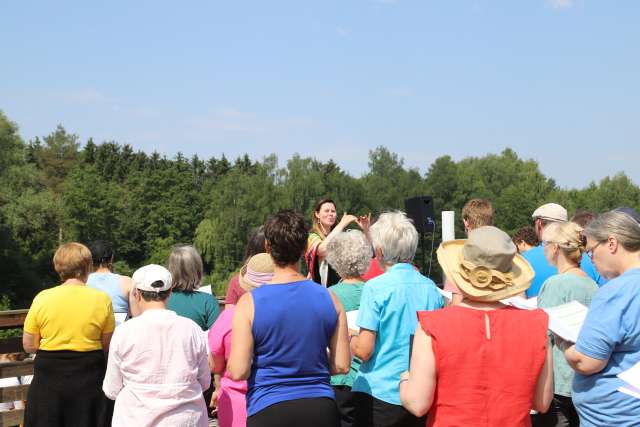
{"type": "Point", "coordinates": [13, 319]}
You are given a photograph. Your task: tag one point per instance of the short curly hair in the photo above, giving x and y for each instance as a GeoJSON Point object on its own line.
{"type": "Point", "coordinates": [286, 234]}
{"type": "Point", "coordinates": [349, 253]}
{"type": "Point", "coordinates": [526, 234]}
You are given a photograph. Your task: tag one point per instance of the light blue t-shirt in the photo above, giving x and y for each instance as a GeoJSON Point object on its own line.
{"type": "Point", "coordinates": [541, 267]}
{"type": "Point", "coordinates": [611, 332]}
{"type": "Point", "coordinates": [388, 307]}
{"type": "Point", "coordinates": [587, 266]}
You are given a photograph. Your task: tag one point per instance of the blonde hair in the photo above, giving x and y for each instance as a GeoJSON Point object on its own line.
{"type": "Point", "coordinates": [478, 213]}
{"type": "Point", "coordinates": [568, 236]}
{"type": "Point", "coordinates": [73, 261]}
{"type": "Point", "coordinates": [185, 266]}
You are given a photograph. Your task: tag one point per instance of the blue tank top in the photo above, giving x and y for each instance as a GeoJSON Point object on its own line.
{"type": "Point", "coordinates": [292, 326]}
{"type": "Point", "coordinates": [110, 284]}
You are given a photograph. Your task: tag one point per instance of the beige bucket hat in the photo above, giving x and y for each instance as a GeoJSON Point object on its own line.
{"type": "Point", "coordinates": [258, 270]}
{"type": "Point", "coordinates": [485, 266]}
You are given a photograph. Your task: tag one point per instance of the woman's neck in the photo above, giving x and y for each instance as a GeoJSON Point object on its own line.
{"type": "Point", "coordinates": [565, 266]}
{"type": "Point", "coordinates": [353, 280]}
{"type": "Point", "coordinates": [324, 229]}
{"type": "Point", "coordinates": [479, 305]}
{"type": "Point", "coordinates": [288, 273]}
{"type": "Point", "coordinates": [630, 261]}
{"type": "Point", "coordinates": [74, 282]}
{"type": "Point", "coordinates": [102, 269]}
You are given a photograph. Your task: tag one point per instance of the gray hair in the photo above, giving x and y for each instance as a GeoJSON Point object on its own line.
{"type": "Point", "coordinates": [395, 234]}
{"type": "Point", "coordinates": [185, 265]}
{"type": "Point", "coordinates": [349, 253]}
{"type": "Point", "coordinates": [619, 225]}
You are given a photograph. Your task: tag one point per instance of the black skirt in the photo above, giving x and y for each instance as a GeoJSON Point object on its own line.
{"type": "Point", "coordinates": [66, 390]}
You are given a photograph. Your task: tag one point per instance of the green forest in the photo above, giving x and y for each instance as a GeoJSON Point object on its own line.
{"type": "Point", "coordinates": [57, 189]}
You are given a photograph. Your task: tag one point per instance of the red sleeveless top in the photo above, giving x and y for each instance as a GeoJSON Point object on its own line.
{"type": "Point", "coordinates": [485, 376]}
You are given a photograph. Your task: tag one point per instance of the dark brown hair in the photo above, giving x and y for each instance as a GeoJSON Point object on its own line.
{"type": "Point", "coordinates": [583, 217]}
{"type": "Point", "coordinates": [286, 233]}
{"type": "Point", "coordinates": [527, 235]}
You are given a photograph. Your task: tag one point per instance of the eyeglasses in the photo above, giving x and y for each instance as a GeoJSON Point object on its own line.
{"type": "Point", "coordinates": [589, 252]}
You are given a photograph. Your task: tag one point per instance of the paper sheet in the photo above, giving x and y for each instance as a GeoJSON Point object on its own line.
{"type": "Point", "coordinates": [352, 316]}
{"type": "Point", "coordinates": [120, 317]}
{"type": "Point", "coordinates": [631, 377]}
{"type": "Point", "coordinates": [447, 294]}
{"type": "Point", "coordinates": [521, 303]}
{"type": "Point", "coordinates": [566, 320]}
{"type": "Point", "coordinates": [630, 391]}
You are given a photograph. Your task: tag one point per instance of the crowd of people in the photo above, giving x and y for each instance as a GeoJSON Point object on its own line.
{"type": "Point", "coordinates": [353, 336]}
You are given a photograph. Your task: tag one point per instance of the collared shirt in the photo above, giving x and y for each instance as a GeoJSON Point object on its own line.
{"type": "Point", "coordinates": [157, 371]}
{"type": "Point", "coordinates": [610, 332]}
{"type": "Point", "coordinates": [388, 307]}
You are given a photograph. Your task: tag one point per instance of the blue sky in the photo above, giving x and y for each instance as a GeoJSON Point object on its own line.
{"type": "Point", "coordinates": [556, 80]}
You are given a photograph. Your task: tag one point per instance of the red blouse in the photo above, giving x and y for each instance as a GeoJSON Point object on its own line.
{"type": "Point", "coordinates": [486, 376]}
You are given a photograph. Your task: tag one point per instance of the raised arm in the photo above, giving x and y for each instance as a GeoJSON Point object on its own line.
{"type": "Point", "coordinates": [346, 220]}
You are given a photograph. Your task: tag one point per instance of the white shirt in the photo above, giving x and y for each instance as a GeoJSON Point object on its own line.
{"type": "Point", "coordinates": [157, 370]}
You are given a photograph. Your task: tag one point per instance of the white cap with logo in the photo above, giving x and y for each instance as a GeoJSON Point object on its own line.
{"type": "Point", "coordinates": [152, 278]}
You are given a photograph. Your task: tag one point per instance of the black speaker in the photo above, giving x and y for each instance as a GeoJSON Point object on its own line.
{"type": "Point", "coordinates": [420, 210]}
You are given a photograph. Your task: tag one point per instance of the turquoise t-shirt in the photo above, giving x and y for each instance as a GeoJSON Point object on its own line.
{"type": "Point", "coordinates": [557, 290]}
{"type": "Point", "coordinates": [388, 307]}
{"type": "Point", "coordinates": [200, 307]}
{"type": "Point", "coordinates": [349, 295]}
{"type": "Point", "coordinates": [610, 332]}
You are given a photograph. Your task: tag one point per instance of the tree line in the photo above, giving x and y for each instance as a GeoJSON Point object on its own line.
{"type": "Point", "coordinates": [56, 189]}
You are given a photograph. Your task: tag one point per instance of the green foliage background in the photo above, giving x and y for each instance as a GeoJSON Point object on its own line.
{"type": "Point", "coordinates": [57, 190]}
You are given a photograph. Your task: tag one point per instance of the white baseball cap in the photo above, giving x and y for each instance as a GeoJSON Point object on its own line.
{"type": "Point", "coordinates": [551, 212]}
{"type": "Point", "coordinates": [152, 278]}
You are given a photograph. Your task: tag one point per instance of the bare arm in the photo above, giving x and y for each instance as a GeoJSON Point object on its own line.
{"type": "Point", "coordinates": [581, 363]}
{"type": "Point", "coordinates": [417, 387]}
{"type": "Point", "coordinates": [346, 220]}
{"type": "Point", "coordinates": [106, 340]}
{"type": "Point", "coordinates": [544, 386]}
{"type": "Point", "coordinates": [30, 342]}
{"type": "Point", "coordinates": [241, 357]}
{"type": "Point", "coordinates": [339, 354]}
{"type": "Point", "coordinates": [217, 363]}
{"type": "Point", "coordinates": [126, 284]}
{"type": "Point", "coordinates": [362, 346]}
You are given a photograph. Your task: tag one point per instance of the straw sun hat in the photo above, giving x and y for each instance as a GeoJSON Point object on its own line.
{"type": "Point", "coordinates": [258, 270]}
{"type": "Point", "coordinates": [485, 266]}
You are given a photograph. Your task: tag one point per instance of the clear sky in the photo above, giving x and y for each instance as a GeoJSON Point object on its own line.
{"type": "Point", "coordinates": [556, 80]}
